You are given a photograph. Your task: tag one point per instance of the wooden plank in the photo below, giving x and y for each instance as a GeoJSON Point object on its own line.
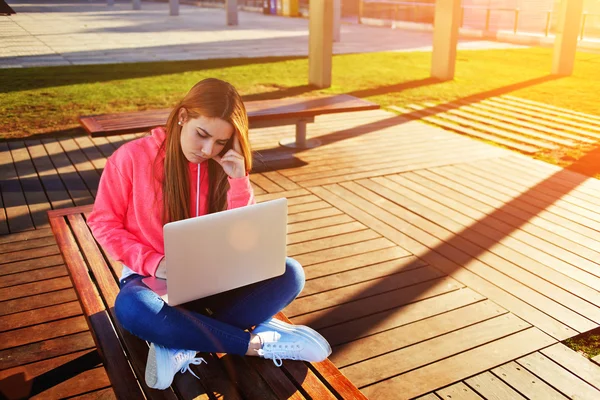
{"type": "Point", "coordinates": [288, 194]}
{"type": "Point", "coordinates": [459, 180]}
{"type": "Point", "coordinates": [400, 316]}
{"type": "Point", "coordinates": [490, 387]}
{"type": "Point", "coordinates": [249, 381]}
{"type": "Point", "coordinates": [592, 117]}
{"type": "Point", "coordinates": [257, 189]}
{"type": "Point", "coordinates": [361, 165]}
{"type": "Point", "coordinates": [309, 198]}
{"type": "Point", "coordinates": [574, 362]}
{"type": "Point", "coordinates": [75, 185]}
{"type": "Point", "coordinates": [265, 183]}
{"type": "Point", "coordinates": [455, 368]}
{"type": "Point", "coordinates": [421, 354]}
{"type": "Point", "coordinates": [326, 232]}
{"type": "Point", "coordinates": [308, 380]}
{"type": "Point", "coordinates": [560, 198]}
{"type": "Point", "coordinates": [458, 391]}
{"type": "Point", "coordinates": [525, 382]}
{"type": "Point", "coordinates": [24, 236]}
{"type": "Point", "coordinates": [419, 242]}
{"type": "Point", "coordinates": [84, 167]}
{"type": "Point", "coordinates": [562, 179]}
{"type": "Point", "coordinates": [331, 242]}
{"type": "Point", "coordinates": [53, 185]}
{"type": "Point", "coordinates": [38, 333]}
{"type": "Point", "coordinates": [430, 396]}
{"type": "Point", "coordinates": [534, 206]}
{"type": "Point", "coordinates": [32, 188]}
{"type": "Point", "coordinates": [103, 394]}
{"type": "Point", "coordinates": [39, 316]}
{"type": "Point", "coordinates": [560, 378]}
{"type": "Point", "coordinates": [3, 219]}
{"type": "Point", "coordinates": [34, 288]}
{"type": "Point", "coordinates": [486, 232]}
{"type": "Point", "coordinates": [298, 208]}
{"type": "Point", "coordinates": [358, 275]}
{"type": "Point", "coordinates": [480, 261]}
{"type": "Point", "coordinates": [361, 290]}
{"type": "Point", "coordinates": [567, 122]}
{"type": "Point", "coordinates": [394, 255]}
{"type": "Point", "coordinates": [454, 126]}
{"type": "Point", "coordinates": [281, 180]}
{"type": "Point", "coordinates": [37, 301]}
{"type": "Point", "coordinates": [27, 244]}
{"type": "Point", "coordinates": [46, 349]}
{"type": "Point", "coordinates": [318, 223]}
{"type": "Point", "coordinates": [519, 227]}
{"type": "Point", "coordinates": [343, 251]}
{"type": "Point", "coordinates": [374, 304]}
{"type": "Point", "coordinates": [54, 378]}
{"type": "Point", "coordinates": [28, 255]}
{"type": "Point", "coordinates": [93, 153]}
{"type": "Point", "coordinates": [30, 265]}
{"type": "Point", "coordinates": [275, 378]}
{"type": "Point", "coordinates": [33, 276]}
{"type": "Point", "coordinates": [13, 198]}
{"type": "Point", "coordinates": [451, 158]}
{"type": "Point", "coordinates": [312, 215]}
{"type": "Point", "coordinates": [401, 337]}
{"type": "Point", "coordinates": [487, 121]}
{"type": "Point", "coordinates": [520, 119]}
{"type": "Point", "coordinates": [542, 108]}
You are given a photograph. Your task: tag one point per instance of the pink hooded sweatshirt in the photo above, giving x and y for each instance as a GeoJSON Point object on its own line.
{"type": "Point", "coordinates": [127, 215]}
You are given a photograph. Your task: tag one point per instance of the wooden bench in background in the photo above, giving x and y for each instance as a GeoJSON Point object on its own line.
{"type": "Point", "coordinates": [262, 113]}
{"type": "Point", "coordinates": [95, 278]}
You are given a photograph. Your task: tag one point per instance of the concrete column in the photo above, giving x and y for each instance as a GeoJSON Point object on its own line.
{"type": "Point", "coordinates": [232, 12]}
{"type": "Point", "coordinates": [565, 44]}
{"type": "Point", "coordinates": [337, 20]}
{"type": "Point", "coordinates": [445, 38]}
{"type": "Point", "coordinates": [137, 4]}
{"type": "Point", "coordinates": [320, 42]}
{"type": "Point", "coordinates": [174, 7]}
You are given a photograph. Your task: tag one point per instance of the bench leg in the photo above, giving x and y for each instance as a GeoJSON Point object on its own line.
{"type": "Point", "coordinates": [300, 141]}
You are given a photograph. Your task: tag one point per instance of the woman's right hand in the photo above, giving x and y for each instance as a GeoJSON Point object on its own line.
{"type": "Point", "coordinates": [161, 271]}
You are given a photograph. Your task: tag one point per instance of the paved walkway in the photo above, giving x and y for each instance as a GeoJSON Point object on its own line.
{"type": "Point", "coordinates": [90, 32]}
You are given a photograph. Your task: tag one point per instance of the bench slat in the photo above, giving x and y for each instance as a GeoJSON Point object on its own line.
{"type": "Point", "coordinates": [117, 367]}
{"type": "Point", "coordinates": [259, 112]}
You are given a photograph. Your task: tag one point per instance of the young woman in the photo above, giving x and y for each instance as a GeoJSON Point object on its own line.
{"type": "Point", "coordinates": [197, 164]}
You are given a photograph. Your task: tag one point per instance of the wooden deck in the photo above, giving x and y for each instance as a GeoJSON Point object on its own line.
{"type": "Point", "coordinates": [436, 265]}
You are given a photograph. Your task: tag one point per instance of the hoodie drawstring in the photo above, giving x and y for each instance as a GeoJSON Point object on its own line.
{"type": "Point", "coordinates": [198, 193]}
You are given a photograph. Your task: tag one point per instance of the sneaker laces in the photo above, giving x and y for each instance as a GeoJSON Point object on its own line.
{"type": "Point", "coordinates": [185, 359]}
{"type": "Point", "coordinates": [279, 353]}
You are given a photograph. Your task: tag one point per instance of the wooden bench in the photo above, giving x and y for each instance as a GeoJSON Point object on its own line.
{"type": "Point", "coordinates": [261, 114]}
{"type": "Point", "coordinates": [95, 278]}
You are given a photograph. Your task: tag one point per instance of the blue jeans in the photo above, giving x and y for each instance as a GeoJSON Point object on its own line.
{"type": "Point", "coordinates": [212, 324]}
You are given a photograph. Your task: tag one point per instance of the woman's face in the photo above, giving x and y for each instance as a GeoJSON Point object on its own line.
{"type": "Point", "coordinates": [203, 138]}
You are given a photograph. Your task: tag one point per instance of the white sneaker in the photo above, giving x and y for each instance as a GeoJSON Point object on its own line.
{"type": "Point", "coordinates": [283, 341]}
{"type": "Point", "coordinates": [163, 364]}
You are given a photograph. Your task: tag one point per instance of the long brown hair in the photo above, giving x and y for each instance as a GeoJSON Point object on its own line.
{"type": "Point", "coordinates": [212, 98]}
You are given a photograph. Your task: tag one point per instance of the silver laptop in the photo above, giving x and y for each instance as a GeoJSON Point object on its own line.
{"type": "Point", "coordinates": [217, 252]}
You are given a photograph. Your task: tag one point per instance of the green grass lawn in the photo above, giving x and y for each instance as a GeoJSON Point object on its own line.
{"type": "Point", "coordinates": [49, 99]}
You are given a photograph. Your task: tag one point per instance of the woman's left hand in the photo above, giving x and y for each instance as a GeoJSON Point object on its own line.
{"type": "Point", "coordinates": [233, 161]}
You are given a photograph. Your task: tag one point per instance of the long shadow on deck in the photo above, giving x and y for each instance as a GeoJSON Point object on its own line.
{"type": "Point", "coordinates": [450, 255]}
